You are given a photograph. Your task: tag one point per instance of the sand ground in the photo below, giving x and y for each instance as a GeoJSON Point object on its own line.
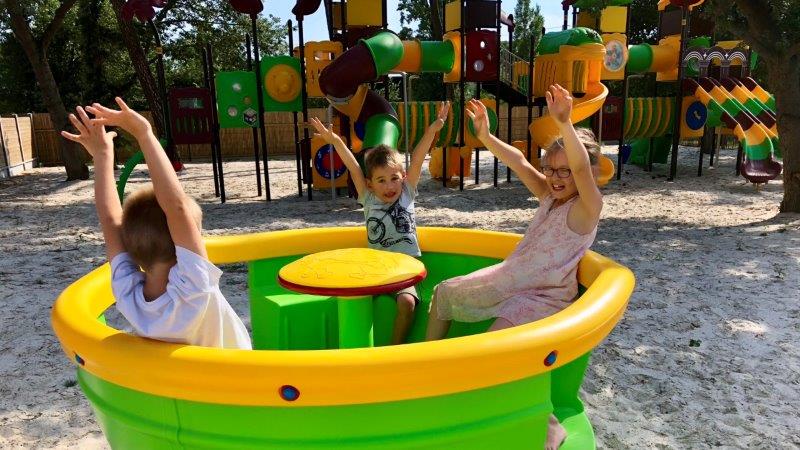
{"type": "Point", "coordinates": [715, 265]}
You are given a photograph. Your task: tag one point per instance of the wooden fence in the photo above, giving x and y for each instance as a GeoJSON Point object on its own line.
{"type": "Point", "coordinates": [236, 143]}
{"type": "Point", "coordinates": [16, 145]}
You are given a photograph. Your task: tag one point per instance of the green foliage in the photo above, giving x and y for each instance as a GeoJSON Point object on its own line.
{"type": "Point", "coordinates": [186, 29]}
{"type": "Point", "coordinates": [528, 22]}
{"type": "Point", "coordinates": [417, 14]}
{"type": "Point", "coordinates": [90, 62]}
{"type": "Point", "coordinates": [644, 22]}
{"type": "Point", "coordinates": [772, 28]}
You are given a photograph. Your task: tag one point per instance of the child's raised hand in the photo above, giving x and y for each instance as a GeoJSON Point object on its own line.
{"type": "Point", "coordinates": [559, 103]}
{"type": "Point", "coordinates": [480, 118]}
{"type": "Point", "coordinates": [93, 137]}
{"type": "Point", "coordinates": [441, 118]}
{"type": "Point", "coordinates": [126, 118]}
{"type": "Point", "coordinates": [326, 133]}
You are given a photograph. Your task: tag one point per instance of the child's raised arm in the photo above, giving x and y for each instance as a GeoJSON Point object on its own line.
{"type": "Point", "coordinates": [169, 193]}
{"type": "Point", "coordinates": [559, 105]}
{"type": "Point", "coordinates": [418, 155]}
{"type": "Point", "coordinates": [327, 134]}
{"type": "Point", "coordinates": [100, 145]}
{"type": "Point", "coordinates": [510, 156]}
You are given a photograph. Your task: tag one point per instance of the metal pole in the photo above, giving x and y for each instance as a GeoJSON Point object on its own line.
{"type": "Point", "coordinates": [673, 166]}
{"type": "Point", "coordinates": [620, 163]}
{"type": "Point", "coordinates": [162, 88]}
{"type": "Point", "coordinates": [216, 129]}
{"type": "Point", "coordinates": [511, 79]}
{"type": "Point", "coordinates": [19, 141]}
{"type": "Point", "coordinates": [297, 157]}
{"type": "Point", "coordinates": [305, 102]}
{"type": "Point", "coordinates": [477, 149]}
{"type": "Point", "coordinates": [255, 131]}
{"type": "Point", "coordinates": [329, 119]}
{"type": "Point", "coordinates": [497, 89]}
{"type": "Point", "coordinates": [529, 100]}
{"type": "Point", "coordinates": [405, 115]}
{"type": "Point", "coordinates": [207, 77]}
{"type": "Point", "coordinates": [262, 127]}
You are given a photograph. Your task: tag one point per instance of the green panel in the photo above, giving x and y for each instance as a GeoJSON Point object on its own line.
{"type": "Point", "coordinates": [640, 58]}
{"type": "Point", "coordinates": [455, 112]}
{"type": "Point", "coordinates": [551, 42]}
{"type": "Point", "coordinates": [382, 129]}
{"type": "Point", "coordinates": [237, 99]}
{"type": "Point", "coordinates": [387, 51]}
{"type": "Point", "coordinates": [355, 322]}
{"type": "Point", "coordinates": [776, 148]}
{"type": "Point", "coordinates": [420, 122]}
{"type": "Point", "coordinates": [270, 103]}
{"type": "Point", "coordinates": [640, 149]}
{"type": "Point", "coordinates": [437, 56]}
{"type": "Point", "coordinates": [293, 321]}
{"type": "Point", "coordinates": [508, 416]}
{"type": "Point", "coordinates": [131, 419]}
{"type": "Point", "coordinates": [759, 151]}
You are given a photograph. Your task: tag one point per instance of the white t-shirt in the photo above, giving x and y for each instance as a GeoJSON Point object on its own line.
{"type": "Point", "coordinates": [191, 311]}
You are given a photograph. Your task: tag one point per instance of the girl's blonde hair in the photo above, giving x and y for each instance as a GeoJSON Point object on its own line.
{"type": "Point", "coordinates": [586, 137]}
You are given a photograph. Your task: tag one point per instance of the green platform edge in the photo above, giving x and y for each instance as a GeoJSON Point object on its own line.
{"type": "Point", "coordinates": [511, 416]}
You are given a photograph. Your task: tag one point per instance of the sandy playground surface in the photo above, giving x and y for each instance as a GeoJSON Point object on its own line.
{"type": "Point", "coordinates": [715, 265]}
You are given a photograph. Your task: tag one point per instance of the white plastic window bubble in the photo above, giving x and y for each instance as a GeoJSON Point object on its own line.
{"type": "Point", "coordinates": [237, 87]}
{"type": "Point", "coordinates": [478, 65]}
{"type": "Point", "coordinates": [233, 111]}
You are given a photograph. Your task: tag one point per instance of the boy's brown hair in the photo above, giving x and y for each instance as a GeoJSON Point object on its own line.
{"type": "Point", "coordinates": [586, 137]}
{"type": "Point", "coordinates": [381, 156]}
{"type": "Point", "coordinates": [145, 233]}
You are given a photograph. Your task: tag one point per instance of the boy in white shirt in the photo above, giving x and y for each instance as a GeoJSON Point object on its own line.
{"type": "Point", "coordinates": [175, 296]}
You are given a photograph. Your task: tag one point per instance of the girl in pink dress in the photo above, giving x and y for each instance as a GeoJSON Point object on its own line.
{"type": "Point", "coordinates": [539, 278]}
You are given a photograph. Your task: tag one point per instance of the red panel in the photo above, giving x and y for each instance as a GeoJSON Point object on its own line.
{"type": "Point", "coordinates": [191, 115]}
{"type": "Point", "coordinates": [481, 56]}
{"type": "Point", "coordinates": [612, 118]}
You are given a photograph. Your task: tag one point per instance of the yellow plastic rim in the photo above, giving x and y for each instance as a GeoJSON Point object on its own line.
{"type": "Point", "coordinates": [339, 377]}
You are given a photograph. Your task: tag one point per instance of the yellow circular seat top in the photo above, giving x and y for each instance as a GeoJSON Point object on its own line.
{"type": "Point", "coordinates": [352, 271]}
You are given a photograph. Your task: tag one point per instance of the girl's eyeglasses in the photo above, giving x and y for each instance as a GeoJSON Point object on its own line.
{"type": "Point", "coordinates": [561, 172]}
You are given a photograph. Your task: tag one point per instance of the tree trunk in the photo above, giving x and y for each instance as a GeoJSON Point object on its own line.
{"type": "Point", "coordinates": [436, 20]}
{"type": "Point", "coordinates": [140, 64]}
{"type": "Point", "coordinates": [784, 81]}
{"type": "Point", "coordinates": [71, 154]}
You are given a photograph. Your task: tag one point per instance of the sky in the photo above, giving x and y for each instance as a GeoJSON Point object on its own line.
{"type": "Point", "coordinates": [314, 27]}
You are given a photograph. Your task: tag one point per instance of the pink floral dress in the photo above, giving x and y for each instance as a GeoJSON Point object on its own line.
{"type": "Point", "coordinates": [537, 280]}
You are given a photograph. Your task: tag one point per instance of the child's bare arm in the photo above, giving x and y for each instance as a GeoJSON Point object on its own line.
{"type": "Point", "coordinates": [510, 156]}
{"type": "Point", "coordinates": [559, 105]}
{"type": "Point", "coordinates": [100, 146]}
{"type": "Point", "coordinates": [327, 134]}
{"type": "Point", "coordinates": [418, 155]}
{"type": "Point", "coordinates": [168, 190]}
